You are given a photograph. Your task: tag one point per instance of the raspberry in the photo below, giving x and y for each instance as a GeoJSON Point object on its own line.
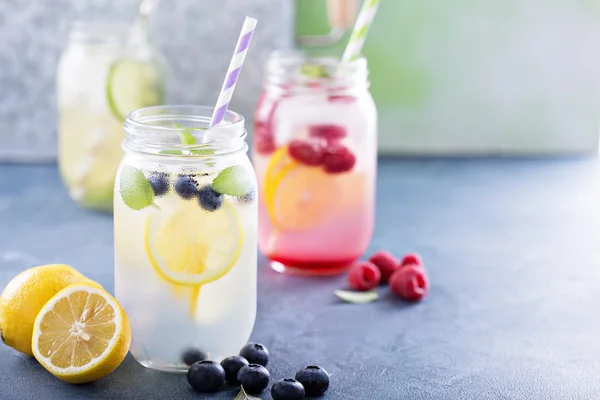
{"type": "Point", "coordinates": [309, 152]}
{"type": "Point", "coordinates": [386, 263]}
{"type": "Point", "coordinates": [364, 276]}
{"type": "Point", "coordinates": [264, 144]}
{"type": "Point", "coordinates": [338, 158]}
{"type": "Point", "coordinates": [411, 259]}
{"type": "Point", "coordinates": [410, 283]}
{"type": "Point", "coordinates": [327, 132]}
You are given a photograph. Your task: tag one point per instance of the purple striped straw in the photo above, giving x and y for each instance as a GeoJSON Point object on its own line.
{"type": "Point", "coordinates": [233, 72]}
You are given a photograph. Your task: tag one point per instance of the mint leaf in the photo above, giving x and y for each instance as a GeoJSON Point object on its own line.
{"type": "Point", "coordinates": [314, 71]}
{"type": "Point", "coordinates": [242, 395]}
{"type": "Point", "coordinates": [136, 191]}
{"type": "Point", "coordinates": [357, 297]}
{"type": "Point", "coordinates": [233, 181]}
{"type": "Point", "coordinates": [171, 152]}
{"type": "Point", "coordinates": [185, 135]}
{"type": "Point", "coordinates": [203, 152]}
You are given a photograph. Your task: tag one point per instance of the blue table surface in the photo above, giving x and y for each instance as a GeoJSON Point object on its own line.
{"type": "Point", "coordinates": [513, 253]}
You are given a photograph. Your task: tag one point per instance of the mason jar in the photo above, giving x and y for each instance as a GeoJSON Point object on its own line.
{"type": "Point", "coordinates": [315, 155]}
{"type": "Point", "coordinates": [185, 227]}
{"type": "Point", "coordinates": [100, 78]}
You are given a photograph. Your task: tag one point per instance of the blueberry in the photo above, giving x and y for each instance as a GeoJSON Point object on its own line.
{"type": "Point", "coordinates": [232, 366]}
{"type": "Point", "coordinates": [247, 198]}
{"type": "Point", "coordinates": [186, 186]}
{"type": "Point", "coordinates": [159, 182]}
{"type": "Point", "coordinates": [192, 355]}
{"type": "Point", "coordinates": [254, 378]}
{"type": "Point", "coordinates": [287, 389]}
{"type": "Point", "coordinates": [206, 376]}
{"type": "Point", "coordinates": [314, 379]}
{"type": "Point", "coordinates": [255, 353]}
{"type": "Point", "coordinates": [209, 199]}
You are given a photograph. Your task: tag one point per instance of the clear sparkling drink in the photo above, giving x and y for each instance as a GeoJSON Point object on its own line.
{"type": "Point", "coordinates": [315, 155]}
{"type": "Point", "coordinates": [98, 82]}
{"type": "Point", "coordinates": [185, 222]}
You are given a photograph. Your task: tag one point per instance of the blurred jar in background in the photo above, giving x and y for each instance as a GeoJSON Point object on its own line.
{"type": "Point", "coordinates": [103, 74]}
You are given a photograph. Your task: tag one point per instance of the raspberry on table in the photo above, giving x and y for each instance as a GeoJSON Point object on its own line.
{"type": "Point", "coordinates": [411, 259]}
{"type": "Point", "coordinates": [386, 263]}
{"type": "Point", "coordinates": [410, 283]}
{"type": "Point", "coordinates": [364, 276]}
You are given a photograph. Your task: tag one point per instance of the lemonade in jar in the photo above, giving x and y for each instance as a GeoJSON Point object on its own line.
{"type": "Point", "coordinates": [101, 77]}
{"type": "Point", "coordinates": [315, 155]}
{"type": "Point", "coordinates": [185, 223]}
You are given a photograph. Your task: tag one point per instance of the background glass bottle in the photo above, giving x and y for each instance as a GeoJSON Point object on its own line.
{"type": "Point", "coordinates": [100, 78]}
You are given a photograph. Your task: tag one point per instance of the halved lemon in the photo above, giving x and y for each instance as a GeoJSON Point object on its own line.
{"type": "Point", "coordinates": [298, 197]}
{"type": "Point", "coordinates": [82, 334]}
{"type": "Point", "coordinates": [191, 246]}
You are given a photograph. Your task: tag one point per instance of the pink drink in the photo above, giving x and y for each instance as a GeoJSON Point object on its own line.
{"type": "Point", "coordinates": [315, 155]}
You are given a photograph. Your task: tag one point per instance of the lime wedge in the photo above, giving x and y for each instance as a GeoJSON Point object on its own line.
{"type": "Point", "coordinates": [132, 85]}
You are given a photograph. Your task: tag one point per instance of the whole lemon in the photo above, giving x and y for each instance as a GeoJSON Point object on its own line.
{"type": "Point", "coordinates": [25, 295]}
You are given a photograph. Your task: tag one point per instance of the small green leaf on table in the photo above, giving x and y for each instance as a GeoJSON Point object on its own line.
{"type": "Point", "coordinates": [357, 297]}
{"type": "Point", "coordinates": [242, 395]}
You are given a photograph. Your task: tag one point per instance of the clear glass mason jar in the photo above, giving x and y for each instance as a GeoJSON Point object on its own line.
{"type": "Point", "coordinates": [315, 155]}
{"type": "Point", "coordinates": [101, 78]}
{"type": "Point", "coordinates": [185, 226]}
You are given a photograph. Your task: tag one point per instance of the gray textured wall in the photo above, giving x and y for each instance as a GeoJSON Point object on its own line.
{"type": "Point", "coordinates": [196, 36]}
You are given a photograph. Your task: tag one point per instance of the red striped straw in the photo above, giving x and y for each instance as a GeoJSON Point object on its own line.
{"type": "Point", "coordinates": [233, 72]}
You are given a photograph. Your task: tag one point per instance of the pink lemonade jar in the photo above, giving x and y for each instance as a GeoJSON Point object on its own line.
{"type": "Point", "coordinates": [315, 156]}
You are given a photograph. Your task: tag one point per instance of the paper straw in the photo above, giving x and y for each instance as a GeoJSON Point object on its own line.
{"type": "Point", "coordinates": [233, 72]}
{"type": "Point", "coordinates": [361, 28]}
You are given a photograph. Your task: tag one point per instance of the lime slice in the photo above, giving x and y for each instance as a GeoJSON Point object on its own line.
{"type": "Point", "coordinates": [192, 247]}
{"type": "Point", "coordinates": [132, 85]}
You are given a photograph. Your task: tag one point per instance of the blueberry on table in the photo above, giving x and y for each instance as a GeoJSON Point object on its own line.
{"type": "Point", "coordinates": [255, 353]}
{"type": "Point", "coordinates": [209, 199]}
{"type": "Point", "coordinates": [232, 366]}
{"type": "Point", "coordinates": [254, 378]}
{"type": "Point", "coordinates": [186, 186]}
{"type": "Point", "coordinates": [159, 182]}
{"type": "Point", "coordinates": [314, 379]}
{"type": "Point", "coordinates": [287, 389]}
{"type": "Point", "coordinates": [206, 376]}
{"type": "Point", "coordinates": [192, 355]}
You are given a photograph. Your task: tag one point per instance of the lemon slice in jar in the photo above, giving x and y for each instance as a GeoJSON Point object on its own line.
{"type": "Point", "coordinates": [298, 197]}
{"type": "Point", "coordinates": [191, 246]}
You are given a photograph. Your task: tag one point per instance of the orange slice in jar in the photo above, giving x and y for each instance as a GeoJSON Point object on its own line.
{"type": "Point", "coordinates": [298, 197]}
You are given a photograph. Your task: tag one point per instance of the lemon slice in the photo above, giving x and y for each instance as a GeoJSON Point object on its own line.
{"type": "Point", "coordinates": [82, 334]}
{"type": "Point", "coordinates": [132, 85]}
{"type": "Point", "coordinates": [298, 197]}
{"type": "Point", "coordinates": [191, 246]}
